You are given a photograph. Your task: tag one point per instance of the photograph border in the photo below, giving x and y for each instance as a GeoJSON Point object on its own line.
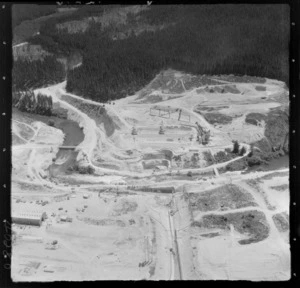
{"type": "Point", "coordinates": [6, 141]}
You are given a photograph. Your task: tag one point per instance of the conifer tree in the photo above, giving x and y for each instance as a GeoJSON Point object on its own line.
{"type": "Point", "coordinates": [236, 147]}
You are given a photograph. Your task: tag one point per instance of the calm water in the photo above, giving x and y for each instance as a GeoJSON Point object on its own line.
{"type": "Point", "coordinates": [276, 164]}
{"type": "Point", "coordinates": [73, 137]}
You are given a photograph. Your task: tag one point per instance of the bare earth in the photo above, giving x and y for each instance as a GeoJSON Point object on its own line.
{"type": "Point", "coordinates": [229, 226]}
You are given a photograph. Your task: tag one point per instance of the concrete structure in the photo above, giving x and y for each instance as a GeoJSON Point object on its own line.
{"type": "Point", "coordinates": [167, 112]}
{"type": "Point", "coordinates": [158, 189]}
{"type": "Point", "coordinates": [161, 128]}
{"type": "Point", "coordinates": [134, 131]}
{"type": "Point", "coordinates": [28, 217]}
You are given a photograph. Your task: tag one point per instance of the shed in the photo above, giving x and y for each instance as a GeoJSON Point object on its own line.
{"type": "Point", "coordinates": [28, 217]}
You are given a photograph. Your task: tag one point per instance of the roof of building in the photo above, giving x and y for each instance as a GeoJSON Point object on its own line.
{"type": "Point", "coordinates": [35, 214]}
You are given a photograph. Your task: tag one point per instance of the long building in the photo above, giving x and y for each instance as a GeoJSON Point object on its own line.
{"type": "Point", "coordinates": [28, 217]}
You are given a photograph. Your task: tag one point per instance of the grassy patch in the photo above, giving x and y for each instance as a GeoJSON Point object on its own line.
{"type": "Point", "coordinates": [199, 81]}
{"type": "Point", "coordinates": [255, 118]}
{"type": "Point", "coordinates": [259, 160]}
{"type": "Point", "coordinates": [150, 156]}
{"type": "Point", "coordinates": [221, 199]}
{"type": "Point", "coordinates": [250, 223]}
{"type": "Point", "coordinates": [223, 156]}
{"type": "Point", "coordinates": [124, 207]}
{"type": "Point", "coordinates": [281, 221]}
{"type": "Point", "coordinates": [237, 165]}
{"type": "Point", "coordinates": [208, 158]}
{"type": "Point", "coordinates": [282, 187]}
{"type": "Point", "coordinates": [217, 118]}
{"type": "Point", "coordinates": [25, 187]}
{"type": "Point", "coordinates": [276, 130]}
{"type": "Point", "coordinates": [16, 140]}
{"type": "Point", "coordinates": [254, 183]}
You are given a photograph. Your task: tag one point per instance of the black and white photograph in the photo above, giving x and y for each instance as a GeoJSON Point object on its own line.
{"type": "Point", "coordinates": [150, 142]}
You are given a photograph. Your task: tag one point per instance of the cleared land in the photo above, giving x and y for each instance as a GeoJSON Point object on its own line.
{"type": "Point", "coordinates": [146, 199]}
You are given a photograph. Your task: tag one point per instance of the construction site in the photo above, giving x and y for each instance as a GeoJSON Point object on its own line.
{"type": "Point", "coordinates": [136, 190]}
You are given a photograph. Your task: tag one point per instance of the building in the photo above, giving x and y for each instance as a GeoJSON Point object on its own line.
{"type": "Point", "coordinates": [34, 218]}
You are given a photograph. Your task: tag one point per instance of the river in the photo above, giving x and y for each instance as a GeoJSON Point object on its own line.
{"type": "Point", "coordinates": [66, 157]}
{"type": "Point", "coordinates": [278, 163]}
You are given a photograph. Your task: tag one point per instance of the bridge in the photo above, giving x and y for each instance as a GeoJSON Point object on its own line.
{"type": "Point", "coordinates": [67, 147]}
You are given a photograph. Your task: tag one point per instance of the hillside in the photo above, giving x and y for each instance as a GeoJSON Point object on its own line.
{"type": "Point", "coordinates": [150, 143]}
{"type": "Point", "coordinates": [124, 47]}
{"type": "Point", "coordinates": [23, 12]}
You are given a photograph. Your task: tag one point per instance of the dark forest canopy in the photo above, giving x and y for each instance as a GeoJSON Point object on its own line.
{"type": "Point", "coordinates": [22, 12]}
{"type": "Point", "coordinates": [35, 74]}
{"type": "Point", "coordinates": [199, 39]}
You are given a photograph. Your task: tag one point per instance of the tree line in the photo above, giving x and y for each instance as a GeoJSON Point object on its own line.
{"type": "Point", "coordinates": [27, 102]}
{"type": "Point", "coordinates": [199, 39]}
{"type": "Point", "coordinates": [22, 12]}
{"type": "Point", "coordinates": [35, 74]}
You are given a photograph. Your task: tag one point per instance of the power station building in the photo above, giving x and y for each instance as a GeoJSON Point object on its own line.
{"type": "Point", "coordinates": [34, 218]}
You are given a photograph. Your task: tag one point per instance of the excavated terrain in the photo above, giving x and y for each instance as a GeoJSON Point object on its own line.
{"type": "Point", "coordinates": [132, 192]}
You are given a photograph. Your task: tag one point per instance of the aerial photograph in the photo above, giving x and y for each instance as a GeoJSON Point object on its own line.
{"type": "Point", "coordinates": [150, 142]}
